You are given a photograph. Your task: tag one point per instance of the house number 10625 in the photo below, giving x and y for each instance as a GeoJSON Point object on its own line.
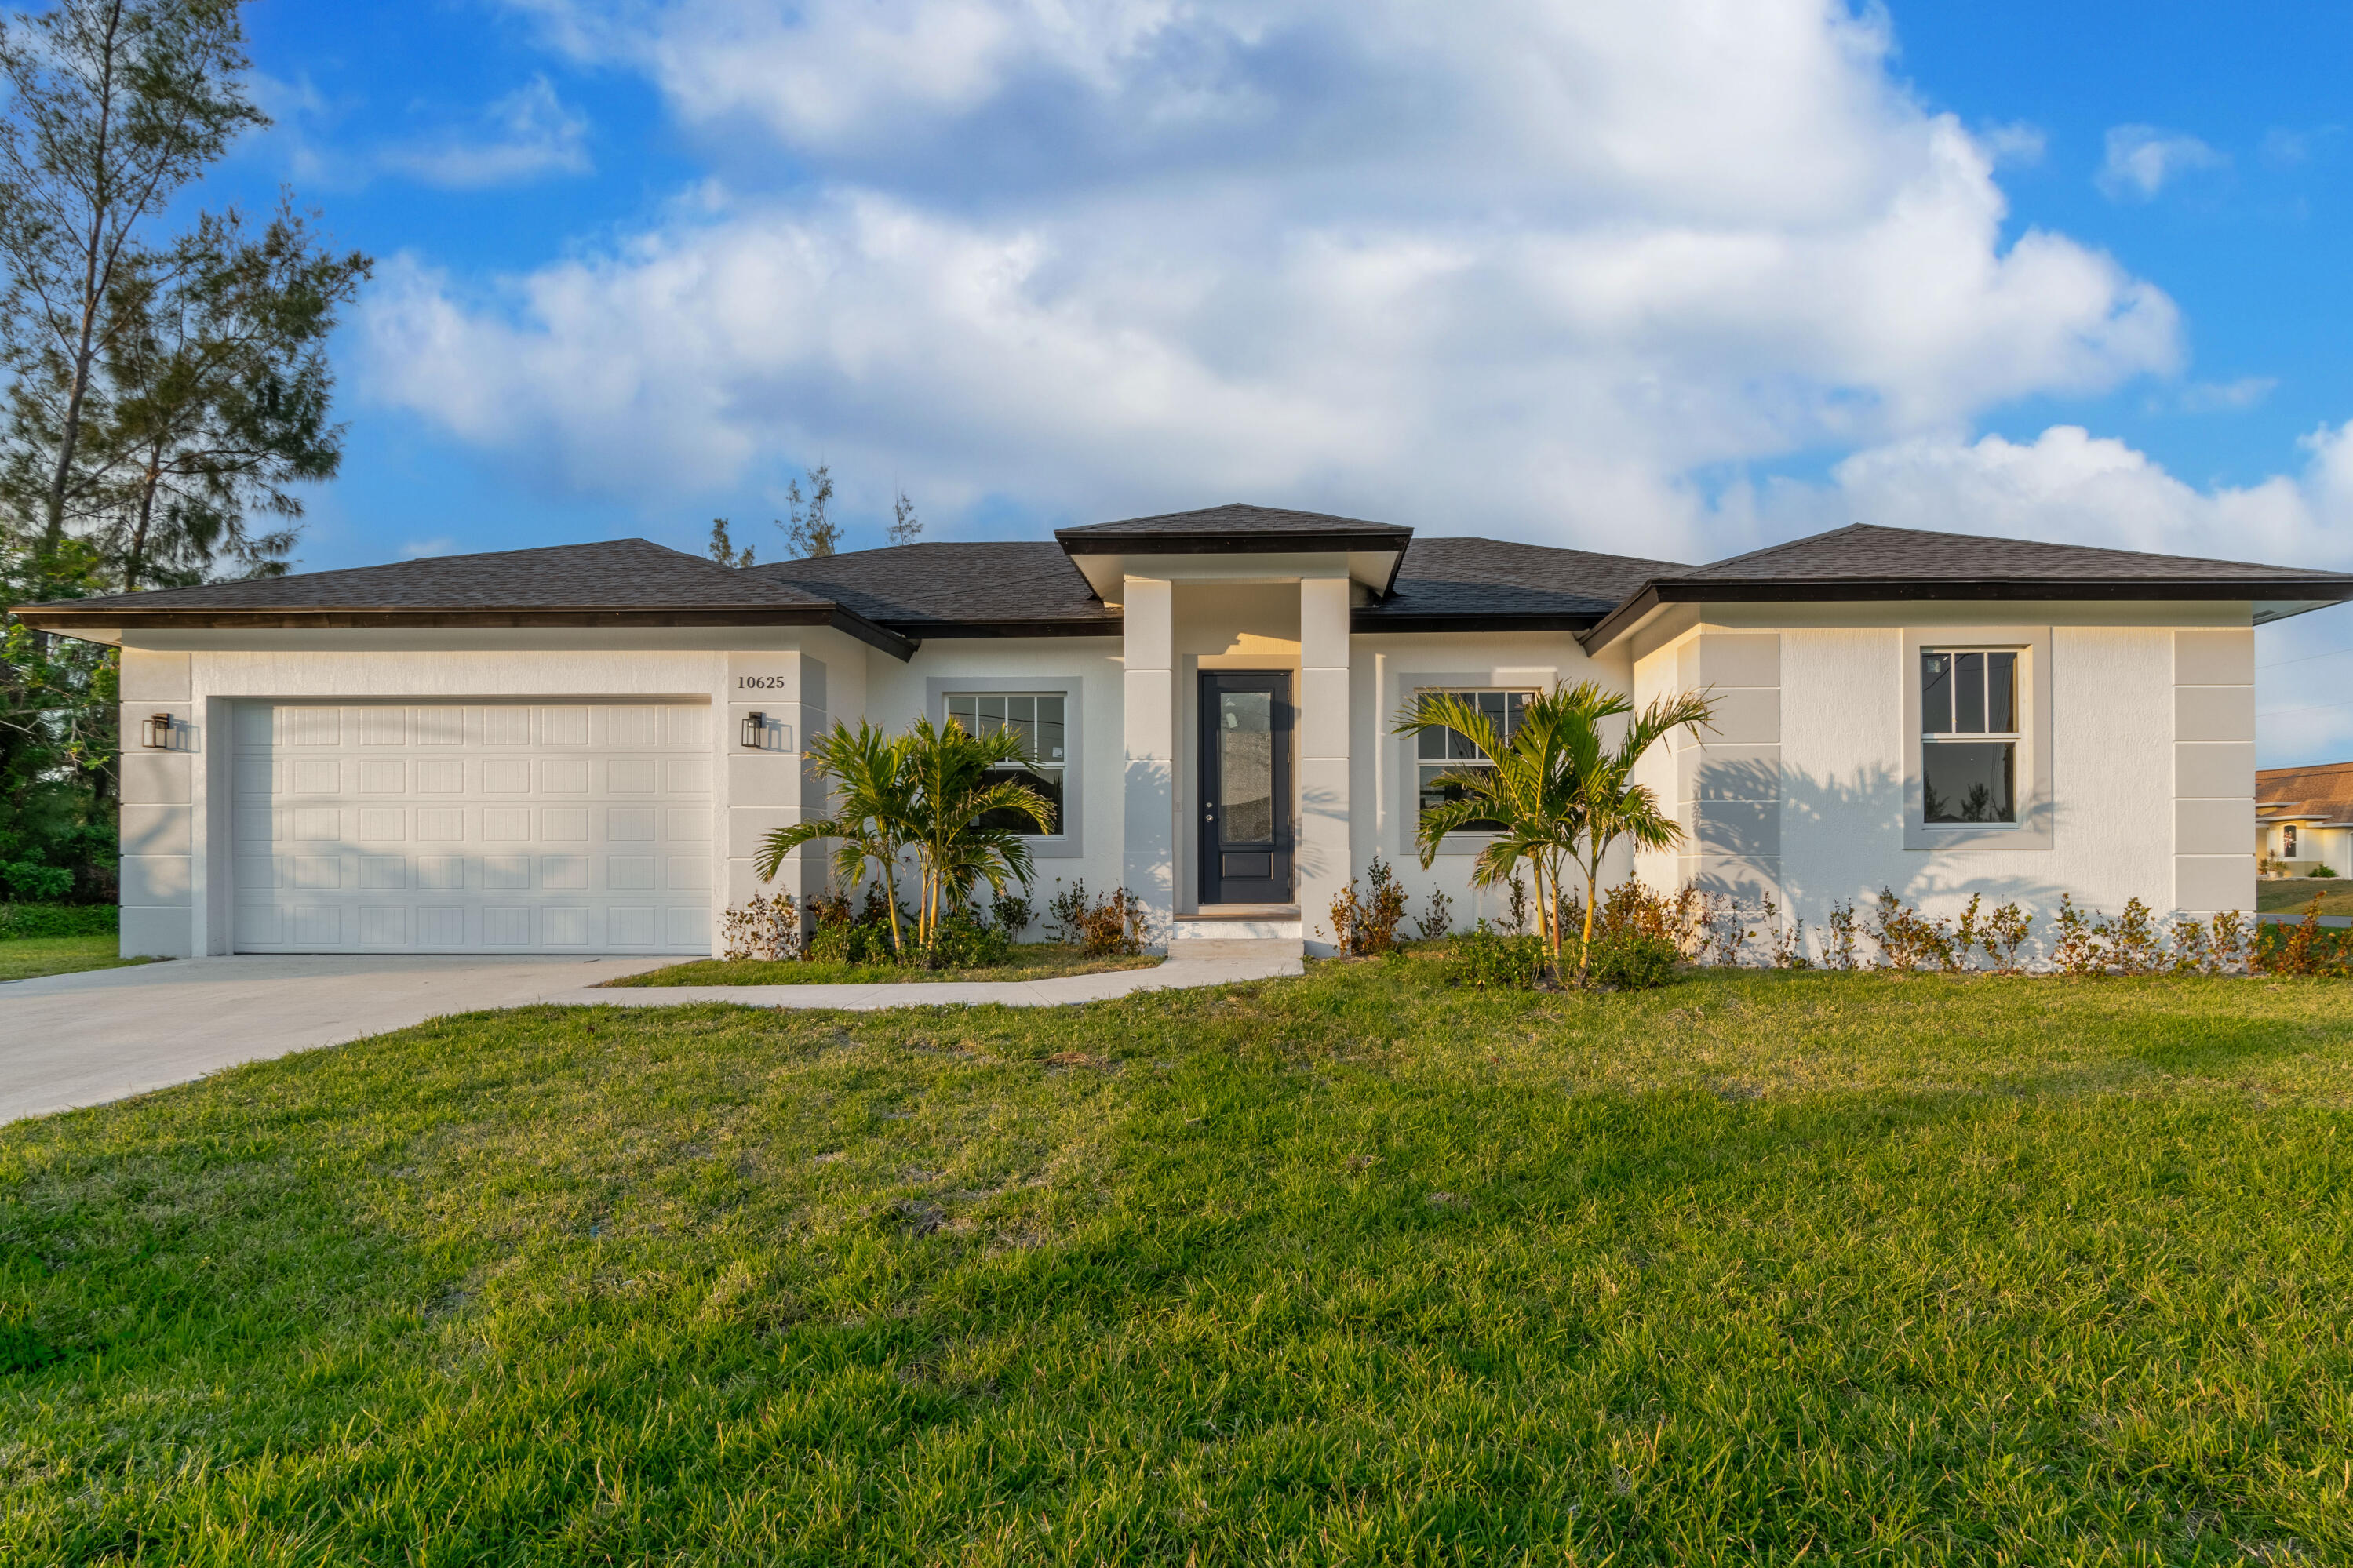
{"type": "Point", "coordinates": [762, 682]}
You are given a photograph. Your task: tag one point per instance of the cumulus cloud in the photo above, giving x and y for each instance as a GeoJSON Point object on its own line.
{"type": "Point", "coordinates": [2142, 160]}
{"type": "Point", "coordinates": [1515, 266]}
{"type": "Point", "coordinates": [527, 134]}
{"type": "Point", "coordinates": [2088, 489]}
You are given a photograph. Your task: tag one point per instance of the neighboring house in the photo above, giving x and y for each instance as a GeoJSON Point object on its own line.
{"type": "Point", "coordinates": [580, 748]}
{"type": "Point", "coordinates": [2304, 817]}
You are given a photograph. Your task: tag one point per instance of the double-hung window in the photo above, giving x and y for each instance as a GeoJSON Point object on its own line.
{"type": "Point", "coordinates": [1970, 734]}
{"type": "Point", "coordinates": [1037, 719]}
{"type": "Point", "coordinates": [1439, 751]}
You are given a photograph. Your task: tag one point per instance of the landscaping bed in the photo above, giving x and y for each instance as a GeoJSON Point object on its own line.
{"type": "Point", "coordinates": [1030, 961]}
{"type": "Point", "coordinates": [1755, 1268]}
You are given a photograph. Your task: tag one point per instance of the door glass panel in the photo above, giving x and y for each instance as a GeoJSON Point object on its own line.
{"type": "Point", "coordinates": [1245, 767]}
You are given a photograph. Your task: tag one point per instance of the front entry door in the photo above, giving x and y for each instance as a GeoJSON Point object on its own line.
{"type": "Point", "coordinates": [1245, 788]}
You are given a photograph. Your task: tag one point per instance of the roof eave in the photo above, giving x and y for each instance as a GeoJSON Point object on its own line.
{"type": "Point", "coordinates": [70, 620]}
{"type": "Point", "coordinates": [2306, 593]}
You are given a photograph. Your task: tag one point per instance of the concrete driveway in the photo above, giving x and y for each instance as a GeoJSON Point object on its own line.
{"type": "Point", "coordinates": [82, 1039]}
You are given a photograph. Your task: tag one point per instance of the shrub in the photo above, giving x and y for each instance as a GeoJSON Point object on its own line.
{"type": "Point", "coordinates": [2006, 930]}
{"type": "Point", "coordinates": [2133, 944]}
{"type": "Point", "coordinates": [1631, 961]}
{"type": "Point", "coordinates": [852, 943]}
{"type": "Point", "coordinates": [35, 884]}
{"type": "Point", "coordinates": [960, 941]}
{"type": "Point", "coordinates": [764, 927]}
{"type": "Point", "coordinates": [1438, 919]}
{"type": "Point", "coordinates": [2322, 871]}
{"type": "Point", "coordinates": [1365, 925]}
{"type": "Point", "coordinates": [1909, 940]}
{"type": "Point", "coordinates": [1491, 961]}
{"type": "Point", "coordinates": [1838, 952]}
{"type": "Point", "coordinates": [2083, 944]}
{"type": "Point", "coordinates": [28, 920]}
{"type": "Point", "coordinates": [1116, 925]}
{"type": "Point", "coordinates": [2304, 948]}
{"type": "Point", "coordinates": [1013, 914]}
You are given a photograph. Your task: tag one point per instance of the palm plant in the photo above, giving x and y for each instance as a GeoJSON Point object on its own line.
{"type": "Point", "coordinates": [1556, 789]}
{"type": "Point", "coordinates": [1519, 789]}
{"type": "Point", "coordinates": [875, 797]}
{"type": "Point", "coordinates": [1608, 803]}
{"type": "Point", "coordinates": [953, 790]}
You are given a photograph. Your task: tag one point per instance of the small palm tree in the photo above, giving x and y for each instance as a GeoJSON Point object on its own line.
{"type": "Point", "coordinates": [874, 810]}
{"type": "Point", "coordinates": [953, 791]}
{"type": "Point", "coordinates": [1559, 791]}
{"type": "Point", "coordinates": [1609, 804]}
{"type": "Point", "coordinates": [1520, 790]}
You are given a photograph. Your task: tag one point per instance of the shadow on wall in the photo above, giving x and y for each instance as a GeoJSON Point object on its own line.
{"type": "Point", "coordinates": [1310, 860]}
{"type": "Point", "coordinates": [1750, 848]}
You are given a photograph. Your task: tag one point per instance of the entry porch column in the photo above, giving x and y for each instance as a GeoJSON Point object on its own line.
{"type": "Point", "coordinates": [1324, 871]}
{"type": "Point", "coordinates": [1148, 859]}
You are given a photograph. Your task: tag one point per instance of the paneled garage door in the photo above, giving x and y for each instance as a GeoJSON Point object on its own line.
{"type": "Point", "coordinates": [473, 828]}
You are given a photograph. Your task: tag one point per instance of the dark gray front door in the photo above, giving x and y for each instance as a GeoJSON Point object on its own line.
{"type": "Point", "coordinates": [1245, 788]}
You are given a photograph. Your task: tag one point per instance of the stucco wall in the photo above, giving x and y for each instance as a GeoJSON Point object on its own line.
{"type": "Point", "coordinates": [2146, 725]}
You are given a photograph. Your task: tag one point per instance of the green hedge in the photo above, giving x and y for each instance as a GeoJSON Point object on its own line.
{"type": "Point", "coordinates": [58, 920]}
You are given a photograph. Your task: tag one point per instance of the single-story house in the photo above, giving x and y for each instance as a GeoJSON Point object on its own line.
{"type": "Point", "coordinates": [2304, 817]}
{"type": "Point", "coordinates": [580, 748]}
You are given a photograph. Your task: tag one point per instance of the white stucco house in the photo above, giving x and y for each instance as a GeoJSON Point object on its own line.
{"type": "Point", "coordinates": [579, 749]}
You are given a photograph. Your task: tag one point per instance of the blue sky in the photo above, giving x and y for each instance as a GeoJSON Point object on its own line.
{"type": "Point", "coordinates": [1672, 278]}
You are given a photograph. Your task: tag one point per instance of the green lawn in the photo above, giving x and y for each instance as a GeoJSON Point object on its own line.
{"type": "Point", "coordinates": [23, 958]}
{"type": "Point", "coordinates": [1760, 1269]}
{"type": "Point", "coordinates": [1031, 960]}
{"type": "Point", "coordinates": [2295, 893]}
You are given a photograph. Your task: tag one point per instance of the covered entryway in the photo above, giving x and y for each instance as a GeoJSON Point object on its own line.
{"type": "Point", "coordinates": [506, 827]}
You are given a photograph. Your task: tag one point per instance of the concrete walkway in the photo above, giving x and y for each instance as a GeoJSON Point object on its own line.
{"type": "Point", "coordinates": [68, 1040]}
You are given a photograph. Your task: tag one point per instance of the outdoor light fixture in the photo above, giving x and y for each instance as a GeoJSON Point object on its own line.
{"type": "Point", "coordinates": [756, 731]}
{"type": "Point", "coordinates": [155, 732]}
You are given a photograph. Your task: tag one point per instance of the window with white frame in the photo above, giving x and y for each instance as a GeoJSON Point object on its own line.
{"type": "Point", "coordinates": [1439, 751]}
{"type": "Point", "coordinates": [1970, 734]}
{"type": "Point", "coordinates": [1036, 718]}
{"type": "Point", "coordinates": [2287, 842]}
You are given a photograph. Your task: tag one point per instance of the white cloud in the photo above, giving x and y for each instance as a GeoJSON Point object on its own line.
{"type": "Point", "coordinates": [1515, 266]}
{"type": "Point", "coordinates": [419, 549]}
{"type": "Point", "coordinates": [522, 136]}
{"type": "Point", "coordinates": [2068, 484]}
{"type": "Point", "coordinates": [2218, 397]}
{"type": "Point", "coordinates": [2014, 143]}
{"type": "Point", "coordinates": [2142, 159]}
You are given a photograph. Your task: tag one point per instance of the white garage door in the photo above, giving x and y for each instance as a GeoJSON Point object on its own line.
{"type": "Point", "coordinates": [473, 828]}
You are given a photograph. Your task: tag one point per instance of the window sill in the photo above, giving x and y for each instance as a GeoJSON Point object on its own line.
{"type": "Point", "coordinates": [1932, 836]}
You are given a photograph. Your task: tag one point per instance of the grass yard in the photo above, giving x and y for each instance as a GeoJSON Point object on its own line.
{"type": "Point", "coordinates": [1031, 960]}
{"type": "Point", "coordinates": [27, 958]}
{"type": "Point", "coordinates": [1760, 1268]}
{"type": "Point", "coordinates": [2294, 894]}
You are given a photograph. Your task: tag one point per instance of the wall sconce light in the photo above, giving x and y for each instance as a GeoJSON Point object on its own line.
{"type": "Point", "coordinates": [756, 731]}
{"type": "Point", "coordinates": [155, 732]}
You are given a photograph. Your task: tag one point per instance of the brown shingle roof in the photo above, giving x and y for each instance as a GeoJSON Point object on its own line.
{"type": "Point", "coordinates": [2324, 790]}
{"type": "Point", "coordinates": [937, 589]}
{"type": "Point", "coordinates": [1870, 551]}
{"type": "Point", "coordinates": [621, 582]}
